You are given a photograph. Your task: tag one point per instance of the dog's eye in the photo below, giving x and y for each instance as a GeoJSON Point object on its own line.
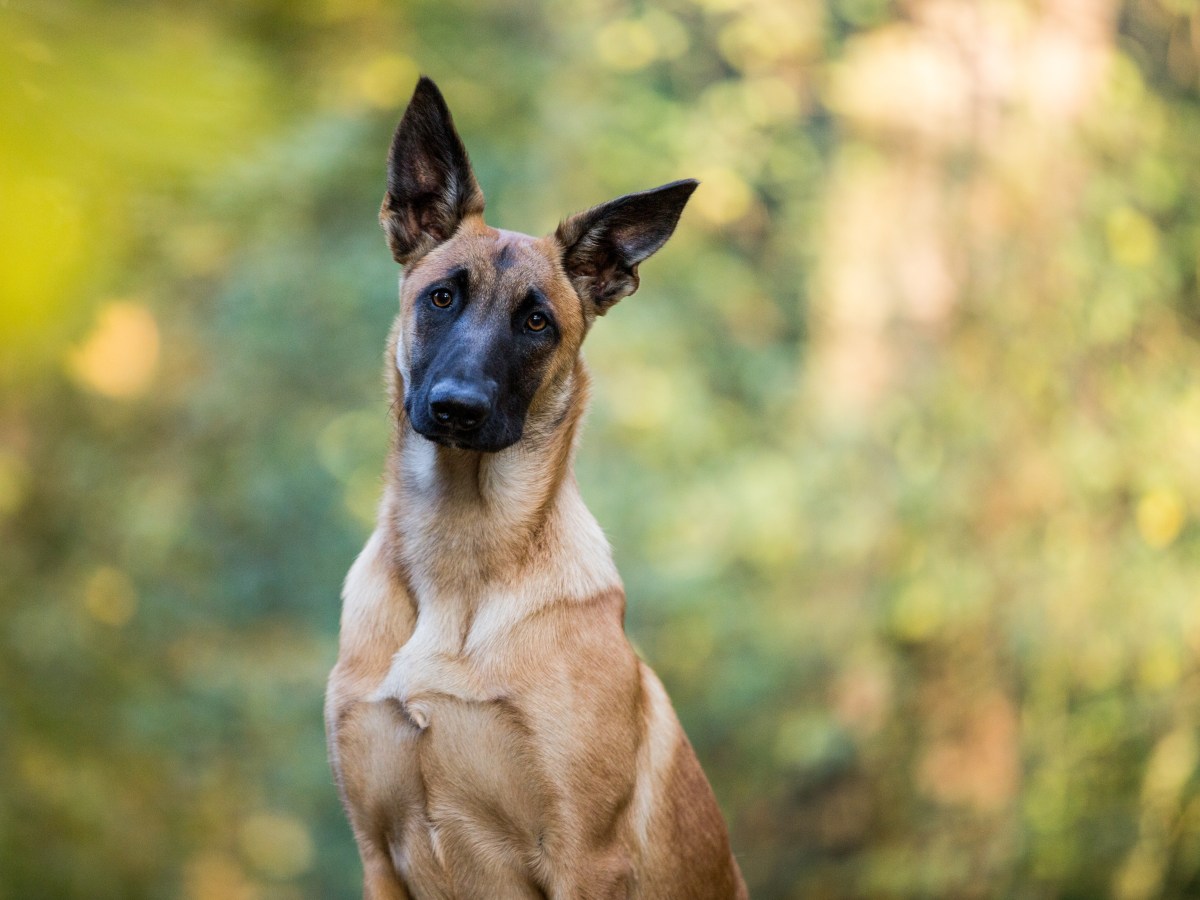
{"type": "Point", "coordinates": [537, 322]}
{"type": "Point", "coordinates": [441, 298]}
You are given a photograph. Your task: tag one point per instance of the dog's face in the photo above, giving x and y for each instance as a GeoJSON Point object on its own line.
{"type": "Point", "coordinates": [491, 321]}
{"type": "Point", "coordinates": [488, 319]}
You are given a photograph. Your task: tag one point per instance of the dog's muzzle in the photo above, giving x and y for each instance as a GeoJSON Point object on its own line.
{"type": "Point", "coordinates": [458, 407]}
{"type": "Point", "coordinates": [459, 414]}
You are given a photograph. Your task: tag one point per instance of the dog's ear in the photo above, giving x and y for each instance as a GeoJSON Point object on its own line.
{"type": "Point", "coordinates": [601, 247]}
{"type": "Point", "coordinates": [430, 186]}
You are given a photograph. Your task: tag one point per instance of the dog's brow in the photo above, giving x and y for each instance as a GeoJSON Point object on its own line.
{"type": "Point", "coordinates": [461, 277]}
{"type": "Point", "coordinates": [504, 258]}
{"type": "Point", "coordinates": [534, 297]}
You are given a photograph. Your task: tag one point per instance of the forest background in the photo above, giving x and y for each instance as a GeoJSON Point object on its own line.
{"type": "Point", "coordinates": [898, 446]}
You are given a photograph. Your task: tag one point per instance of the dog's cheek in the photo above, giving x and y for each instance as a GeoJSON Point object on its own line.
{"type": "Point", "coordinates": [543, 386]}
{"type": "Point", "coordinates": [401, 360]}
{"type": "Point", "coordinates": [411, 340]}
{"type": "Point", "coordinates": [416, 397]}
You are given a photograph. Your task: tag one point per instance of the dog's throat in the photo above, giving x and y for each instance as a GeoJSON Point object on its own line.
{"type": "Point", "coordinates": [468, 526]}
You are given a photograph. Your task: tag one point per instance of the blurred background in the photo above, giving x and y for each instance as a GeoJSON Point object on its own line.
{"type": "Point", "coordinates": [898, 446]}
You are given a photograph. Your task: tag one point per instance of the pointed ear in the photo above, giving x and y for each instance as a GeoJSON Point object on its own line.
{"type": "Point", "coordinates": [430, 186]}
{"type": "Point", "coordinates": [603, 246]}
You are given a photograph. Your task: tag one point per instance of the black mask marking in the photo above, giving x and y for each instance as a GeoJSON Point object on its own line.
{"type": "Point", "coordinates": [476, 364]}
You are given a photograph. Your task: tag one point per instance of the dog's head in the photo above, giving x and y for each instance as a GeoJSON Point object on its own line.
{"type": "Point", "coordinates": [491, 321]}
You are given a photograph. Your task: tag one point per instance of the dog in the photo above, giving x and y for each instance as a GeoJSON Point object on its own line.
{"type": "Point", "coordinates": [491, 730]}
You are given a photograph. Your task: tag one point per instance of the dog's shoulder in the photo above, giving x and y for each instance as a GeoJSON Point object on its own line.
{"type": "Point", "coordinates": [378, 615]}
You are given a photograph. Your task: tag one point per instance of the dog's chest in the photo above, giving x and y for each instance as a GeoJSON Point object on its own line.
{"type": "Point", "coordinates": [448, 660]}
{"type": "Point", "coordinates": [447, 765]}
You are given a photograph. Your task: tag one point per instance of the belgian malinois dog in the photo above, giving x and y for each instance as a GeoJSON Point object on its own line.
{"type": "Point", "coordinates": [492, 732]}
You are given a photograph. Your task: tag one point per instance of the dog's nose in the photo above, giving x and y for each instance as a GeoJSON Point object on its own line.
{"type": "Point", "coordinates": [460, 406]}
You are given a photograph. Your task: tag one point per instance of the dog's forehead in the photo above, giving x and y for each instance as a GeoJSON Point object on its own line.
{"type": "Point", "coordinates": [508, 260]}
{"type": "Point", "coordinates": [499, 262]}
{"type": "Point", "coordinates": [508, 248]}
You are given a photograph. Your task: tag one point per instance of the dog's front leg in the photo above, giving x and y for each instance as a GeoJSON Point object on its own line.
{"type": "Point", "coordinates": [371, 751]}
{"type": "Point", "coordinates": [573, 865]}
{"type": "Point", "coordinates": [380, 881]}
{"type": "Point", "coordinates": [605, 877]}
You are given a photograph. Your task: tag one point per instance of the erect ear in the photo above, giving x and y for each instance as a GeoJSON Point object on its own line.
{"type": "Point", "coordinates": [430, 186]}
{"type": "Point", "coordinates": [603, 246]}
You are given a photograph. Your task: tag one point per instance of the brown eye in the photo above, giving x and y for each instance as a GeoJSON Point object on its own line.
{"type": "Point", "coordinates": [536, 322]}
{"type": "Point", "coordinates": [441, 298]}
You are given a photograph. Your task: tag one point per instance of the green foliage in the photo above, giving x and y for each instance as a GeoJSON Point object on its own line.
{"type": "Point", "coordinates": [897, 446]}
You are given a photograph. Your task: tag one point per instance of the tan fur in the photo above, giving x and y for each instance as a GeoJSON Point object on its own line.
{"type": "Point", "coordinates": [492, 732]}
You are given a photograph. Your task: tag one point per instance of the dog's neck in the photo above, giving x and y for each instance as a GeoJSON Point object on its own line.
{"type": "Point", "coordinates": [466, 526]}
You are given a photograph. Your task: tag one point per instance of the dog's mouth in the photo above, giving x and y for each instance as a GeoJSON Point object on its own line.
{"type": "Point", "coordinates": [481, 441]}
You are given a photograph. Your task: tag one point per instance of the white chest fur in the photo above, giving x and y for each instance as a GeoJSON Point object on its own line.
{"type": "Point", "coordinates": [433, 664]}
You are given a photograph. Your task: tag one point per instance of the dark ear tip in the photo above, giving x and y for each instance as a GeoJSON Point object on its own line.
{"type": "Point", "coordinates": [677, 193]}
{"type": "Point", "coordinates": [684, 186]}
{"type": "Point", "coordinates": [427, 90]}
